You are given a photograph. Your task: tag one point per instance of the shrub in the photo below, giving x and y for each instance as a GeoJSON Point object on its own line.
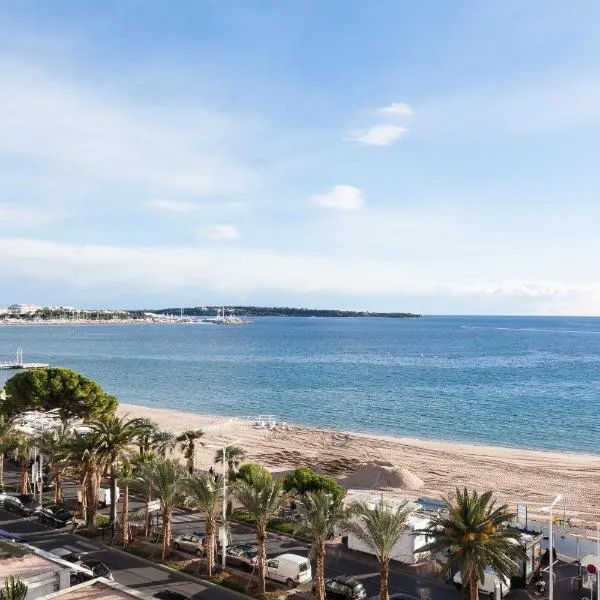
{"type": "Point", "coordinates": [248, 471]}
{"type": "Point", "coordinates": [303, 479]}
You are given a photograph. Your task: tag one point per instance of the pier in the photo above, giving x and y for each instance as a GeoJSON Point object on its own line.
{"type": "Point", "coordinates": [19, 364]}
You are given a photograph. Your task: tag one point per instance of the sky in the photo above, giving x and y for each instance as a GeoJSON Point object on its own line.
{"type": "Point", "coordinates": [434, 157]}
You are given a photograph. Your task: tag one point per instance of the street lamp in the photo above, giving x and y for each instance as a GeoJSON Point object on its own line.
{"type": "Point", "coordinates": [548, 509]}
{"type": "Point", "coordinates": [223, 448]}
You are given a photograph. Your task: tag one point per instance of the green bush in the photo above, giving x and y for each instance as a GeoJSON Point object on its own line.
{"type": "Point", "coordinates": [282, 526]}
{"type": "Point", "coordinates": [248, 471]}
{"type": "Point", "coordinates": [303, 479]}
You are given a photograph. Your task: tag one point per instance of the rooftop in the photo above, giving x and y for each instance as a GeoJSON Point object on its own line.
{"type": "Point", "coordinates": [97, 589]}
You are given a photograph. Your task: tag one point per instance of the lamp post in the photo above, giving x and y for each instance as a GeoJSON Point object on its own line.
{"type": "Point", "coordinates": [223, 540]}
{"type": "Point", "coordinates": [548, 509]}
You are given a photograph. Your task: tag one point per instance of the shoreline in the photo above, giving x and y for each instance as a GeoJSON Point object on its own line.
{"type": "Point", "coordinates": [517, 476]}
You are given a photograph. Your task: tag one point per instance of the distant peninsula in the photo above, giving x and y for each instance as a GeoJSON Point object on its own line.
{"type": "Point", "coordinates": [275, 311]}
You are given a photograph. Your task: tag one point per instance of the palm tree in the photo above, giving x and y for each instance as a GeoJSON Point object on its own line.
{"type": "Point", "coordinates": [115, 436]}
{"type": "Point", "coordinates": [21, 446]}
{"type": "Point", "coordinates": [187, 441]}
{"type": "Point", "coordinates": [86, 457]}
{"type": "Point", "coordinates": [263, 498]}
{"type": "Point", "coordinates": [234, 456]}
{"type": "Point", "coordinates": [7, 438]}
{"type": "Point", "coordinates": [125, 474]}
{"type": "Point", "coordinates": [380, 527]}
{"type": "Point", "coordinates": [148, 429]}
{"type": "Point", "coordinates": [475, 535]}
{"type": "Point", "coordinates": [163, 441]}
{"type": "Point", "coordinates": [52, 442]}
{"type": "Point", "coordinates": [143, 466]}
{"type": "Point", "coordinates": [169, 480]}
{"type": "Point", "coordinates": [320, 515]}
{"type": "Point", "coordinates": [205, 492]}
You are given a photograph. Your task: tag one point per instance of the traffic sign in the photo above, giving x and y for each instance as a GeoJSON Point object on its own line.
{"type": "Point", "coordinates": [591, 569]}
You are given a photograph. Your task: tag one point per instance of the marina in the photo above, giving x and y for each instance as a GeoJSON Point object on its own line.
{"type": "Point", "coordinates": [20, 364]}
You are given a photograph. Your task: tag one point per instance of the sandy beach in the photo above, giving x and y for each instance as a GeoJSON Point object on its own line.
{"type": "Point", "coordinates": [517, 476]}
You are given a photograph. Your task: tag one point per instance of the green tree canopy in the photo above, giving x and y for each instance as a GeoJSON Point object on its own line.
{"type": "Point", "coordinates": [303, 480]}
{"type": "Point", "coordinates": [72, 394]}
{"type": "Point", "coordinates": [248, 472]}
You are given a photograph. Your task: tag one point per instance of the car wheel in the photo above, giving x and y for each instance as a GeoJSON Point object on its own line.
{"type": "Point", "coordinates": [290, 582]}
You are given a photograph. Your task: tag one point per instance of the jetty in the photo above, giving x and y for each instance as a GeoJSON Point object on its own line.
{"type": "Point", "coordinates": [19, 364]}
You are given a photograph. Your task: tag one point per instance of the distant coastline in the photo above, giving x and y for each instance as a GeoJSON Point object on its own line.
{"type": "Point", "coordinates": [71, 316]}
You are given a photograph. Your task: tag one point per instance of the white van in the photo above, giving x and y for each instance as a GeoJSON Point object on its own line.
{"type": "Point", "coordinates": [290, 569]}
{"type": "Point", "coordinates": [487, 587]}
{"type": "Point", "coordinates": [103, 496]}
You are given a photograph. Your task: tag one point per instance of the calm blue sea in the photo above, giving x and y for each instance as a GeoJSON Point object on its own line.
{"type": "Point", "coordinates": [523, 382]}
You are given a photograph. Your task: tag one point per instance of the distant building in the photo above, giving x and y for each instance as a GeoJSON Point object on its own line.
{"type": "Point", "coordinates": [22, 309]}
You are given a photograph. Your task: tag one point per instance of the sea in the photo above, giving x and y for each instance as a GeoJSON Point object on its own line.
{"type": "Point", "coordinates": [526, 382]}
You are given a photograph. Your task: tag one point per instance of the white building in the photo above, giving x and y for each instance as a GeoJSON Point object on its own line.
{"type": "Point", "coordinates": [22, 309]}
{"type": "Point", "coordinates": [406, 550]}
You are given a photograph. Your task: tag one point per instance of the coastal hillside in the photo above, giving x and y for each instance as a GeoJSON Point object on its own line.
{"type": "Point", "coordinates": [278, 311]}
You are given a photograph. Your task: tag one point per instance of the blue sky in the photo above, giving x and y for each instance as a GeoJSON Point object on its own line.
{"type": "Point", "coordinates": [437, 157]}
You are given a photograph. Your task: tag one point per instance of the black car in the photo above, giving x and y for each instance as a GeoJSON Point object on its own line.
{"type": "Point", "coordinates": [242, 555]}
{"type": "Point", "coordinates": [25, 504]}
{"type": "Point", "coordinates": [56, 515]}
{"type": "Point", "coordinates": [93, 568]}
{"type": "Point", "coordinates": [170, 595]}
{"type": "Point", "coordinates": [344, 587]}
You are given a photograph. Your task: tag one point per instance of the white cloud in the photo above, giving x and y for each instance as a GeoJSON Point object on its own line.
{"type": "Point", "coordinates": [233, 270]}
{"type": "Point", "coordinates": [66, 126]}
{"type": "Point", "coordinates": [397, 109]}
{"type": "Point", "coordinates": [341, 197]}
{"type": "Point", "coordinates": [378, 135]}
{"type": "Point", "coordinates": [12, 216]}
{"type": "Point", "coordinates": [220, 232]}
{"type": "Point", "coordinates": [174, 206]}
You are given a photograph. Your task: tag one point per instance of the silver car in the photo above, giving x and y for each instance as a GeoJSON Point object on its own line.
{"type": "Point", "coordinates": [190, 542]}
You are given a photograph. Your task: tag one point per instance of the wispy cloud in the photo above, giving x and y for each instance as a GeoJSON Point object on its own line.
{"type": "Point", "coordinates": [378, 135]}
{"type": "Point", "coordinates": [395, 109]}
{"type": "Point", "coordinates": [15, 217]}
{"type": "Point", "coordinates": [220, 232]}
{"type": "Point", "coordinates": [341, 197]}
{"type": "Point", "coordinates": [68, 125]}
{"type": "Point", "coordinates": [174, 206]}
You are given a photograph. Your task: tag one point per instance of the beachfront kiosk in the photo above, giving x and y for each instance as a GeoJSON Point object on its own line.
{"type": "Point", "coordinates": [532, 544]}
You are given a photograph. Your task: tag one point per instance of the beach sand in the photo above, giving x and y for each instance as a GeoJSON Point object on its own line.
{"type": "Point", "coordinates": [517, 476]}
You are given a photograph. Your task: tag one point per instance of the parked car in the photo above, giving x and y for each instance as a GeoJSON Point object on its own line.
{"type": "Point", "coordinates": [190, 543]}
{"type": "Point", "coordinates": [24, 504]}
{"type": "Point", "coordinates": [96, 568]}
{"type": "Point", "coordinates": [290, 569]}
{"type": "Point", "coordinates": [170, 595]}
{"type": "Point", "coordinates": [487, 586]}
{"type": "Point", "coordinates": [66, 554]}
{"type": "Point", "coordinates": [56, 515]}
{"type": "Point", "coordinates": [344, 587]}
{"type": "Point", "coordinates": [242, 555]}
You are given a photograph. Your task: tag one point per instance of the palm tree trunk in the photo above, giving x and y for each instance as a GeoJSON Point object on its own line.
{"type": "Point", "coordinates": [320, 571]}
{"type": "Point", "coordinates": [261, 538]}
{"type": "Point", "coordinates": [2, 469]}
{"type": "Point", "coordinates": [24, 478]}
{"type": "Point", "coordinates": [210, 546]}
{"type": "Point", "coordinates": [57, 489]}
{"type": "Point", "coordinates": [125, 515]}
{"type": "Point", "coordinates": [473, 586]}
{"type": "Point", "coordinates": [113, 494]}
{"type": "Point", "coordinates": [166, 527]}
{"type": "Point", "coordinates": [92, 499]}
{"type": "Point", "coordinates": [383, 579]}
